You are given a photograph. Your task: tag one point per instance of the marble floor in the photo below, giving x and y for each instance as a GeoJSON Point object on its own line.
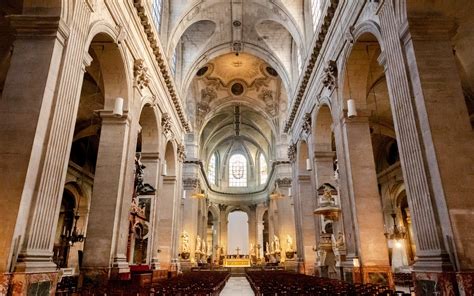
{"type": "Point", "coordinates": [237, 286]}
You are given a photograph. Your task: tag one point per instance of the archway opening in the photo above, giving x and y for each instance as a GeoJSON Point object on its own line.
{"type": "Point", "coordinates": [238, 233]}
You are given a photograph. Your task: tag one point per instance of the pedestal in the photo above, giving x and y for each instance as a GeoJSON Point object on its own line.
{"type": "Point", "coordinates": [186, 265]}
{"type": "Point", "coordinates": [291, 265]}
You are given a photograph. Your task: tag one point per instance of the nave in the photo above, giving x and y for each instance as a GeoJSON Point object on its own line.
{"type": "Point", "coordinates": [158, 144]}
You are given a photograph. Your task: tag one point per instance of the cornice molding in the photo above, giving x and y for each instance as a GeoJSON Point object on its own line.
{"type": "Point", "coordinates": [160, 59]}
{"type": "Point", "coordinates": [311, 64]}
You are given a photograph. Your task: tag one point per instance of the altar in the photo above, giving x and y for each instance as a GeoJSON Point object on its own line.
{"type": "Point", "coordinates": [237, 262]}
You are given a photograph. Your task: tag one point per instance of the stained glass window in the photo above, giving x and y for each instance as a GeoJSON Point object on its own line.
{"type": "Point", "coordinates": [237, 171]}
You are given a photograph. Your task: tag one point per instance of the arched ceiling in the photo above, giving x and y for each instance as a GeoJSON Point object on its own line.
{"type": "Point", "coordinates": [204, 30]}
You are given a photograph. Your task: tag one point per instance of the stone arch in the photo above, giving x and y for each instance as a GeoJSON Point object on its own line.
{"type": "Point", "coordinates": [322, 128]}
{"type": "Point", "coordinates": [150, 130]}
{"type": "Point", "coordinates": [170, 158]}
{"type": "Point", "coordinates": [367, 29]}
{"type": "Point", "coordinates": [303, 153]}
{"type": "Point", "coordinates": [112, 57]}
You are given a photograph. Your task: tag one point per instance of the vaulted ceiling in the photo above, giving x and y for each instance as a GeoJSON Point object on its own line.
{"type": "Point", "coordinates": [236, 54]}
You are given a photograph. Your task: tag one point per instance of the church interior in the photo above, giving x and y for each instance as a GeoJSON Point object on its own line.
{"type": "Point", "coordinates": [236, 147]}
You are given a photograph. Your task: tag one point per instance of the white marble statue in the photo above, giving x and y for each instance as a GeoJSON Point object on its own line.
{"type": "Point", "coordinates": [198, 244]}
{"type": "Point", "coordinates": [185, 242]}
{"type": "Point", "coordinates": [277, 243]}
{"type": "Point", "coordinates": [289, 243]}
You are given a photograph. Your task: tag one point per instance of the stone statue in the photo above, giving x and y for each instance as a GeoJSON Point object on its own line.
{"type": "Point", "coordinates": [277, 243]}
{"type": "Point", "coordinates": [185, 242]}
{"type": "Point", "coordinates": [267, 248]}
{"type": "Point", "coordinates": [252, 250]}
{"type": "Point", "coordinates": [198, 244]}
{"type": "Point", "coordinates": [204, 249]}
{"type": "Point", "coordinates": [289, 243]}
{"type": "Point", "coordinates": [140, 187]}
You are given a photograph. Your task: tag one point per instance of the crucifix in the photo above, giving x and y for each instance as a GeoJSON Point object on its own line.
{"type": "Point", "coordinates": [238, 250]}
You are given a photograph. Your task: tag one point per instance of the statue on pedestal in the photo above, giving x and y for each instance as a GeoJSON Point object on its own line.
{"type": "Point", "coordinates": [198, 244]}
{"type": "Point", "coordinates": [185, 249]}
{"type": "Point", "coordinates": [277, 244]}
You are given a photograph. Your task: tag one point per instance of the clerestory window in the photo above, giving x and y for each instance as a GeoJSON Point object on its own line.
{"type": "Point", "coordinates": [237, 171]}
{"type": "Point", "coordinates": [263, 169]}
{"type": "Point", "coordinates": [211, 169]}
{"type": "Point", "coordinates": [157, 8]}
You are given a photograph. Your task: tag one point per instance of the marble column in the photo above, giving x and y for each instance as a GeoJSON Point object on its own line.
{"type": "Point", "coordinates": [305, 222]}
{"type": "Point", "coordinates": [38, 109]}
{"type": "Point", "coordinates": [223, 227]}
{"type": "Point", "coordinates": [107, 235]}
{"type": "Point", "coordinates": [429, 121]}
{"type": "Point", "coordinates": [371, 242]}
{"type": "Point", "coordinates": [252, 221]}
{"type": "Point", "coordinates": [191, 213]}
{"type": "Point", "coordinates": [286, 216]}
{"type": "Point", "coordinates": [166, 212]}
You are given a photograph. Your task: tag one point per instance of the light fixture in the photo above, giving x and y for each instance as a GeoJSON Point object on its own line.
{"type": "Point", "coordinates": [308, 164]}
{"type": "Point", "coordinates": [118, 107]}
{"type": "Point", "coordinates": [198, 193]}
{"type": "Point", "coordinates": [276, 194]}
{"type": "Point", "coordinates": [289, 191]}
{"type": "Point", "coordinates": [351, 108]}
{"type": "Point", "coordinates": [164, 169]}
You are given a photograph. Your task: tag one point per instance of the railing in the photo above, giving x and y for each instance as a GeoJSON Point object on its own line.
{"type": "Point", "coordinates": [267, 184]}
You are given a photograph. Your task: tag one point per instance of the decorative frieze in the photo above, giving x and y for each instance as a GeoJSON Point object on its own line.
{"type": "Point", "coordinates": [292, 152]}
{"type": "Point", "coordinates": [166, 124]}
{"type": "Point", "coordinates": [307, 123]}
{"type": "Point", "coordinates": [330, 75]}
{"type": "Point", "coordinates": [181, 151]}
{"type": "Point", "coordinates": [311, 63]}
{"type": "Point", "coordinates": [146, 21]}
{"type": "Point", "coordinates": [140, 72]}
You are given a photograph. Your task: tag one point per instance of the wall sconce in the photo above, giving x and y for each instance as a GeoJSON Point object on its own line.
{"type": "Point", "coordinates": [289, 191]}
{"type": "Point", "coordinates": [308, 164]}
{"type": "Point", "coordinates": [351, 108]}
{"type": "Point", "coordinates": [164, 169]}
{"type": "Point", "coordinates": [118, 107]}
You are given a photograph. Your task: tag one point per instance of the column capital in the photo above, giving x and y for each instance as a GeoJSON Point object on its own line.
{"type": "Point", "coordinates": [150, 156]}
{"type": "Point", "coordinates": [36, 27]}
{"type": "Point", "coordinates": [109, 118]}
{"type": "Point", "coordinates": [324, 154]}
{"type": "Point", "coordinates": [429, 28]}
{"type": "Point", "coordinates": [362, 117]}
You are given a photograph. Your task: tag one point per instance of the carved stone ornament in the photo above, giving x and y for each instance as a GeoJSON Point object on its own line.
{"type": "Point", "coordinates": [307, 123]}
{"type": "Point", "coordinates": [284, 182]}
{"type": "Point", "coordinates": [330, 75]}
{"type": "Point", "coordinates": [222, 207]}
{"type": "Point", "coordinates": [140, 72]}
{"type": "Point", "coordinates": [191, 183]}
{"type": "Point", "coordinates": [181, 151]}
{"type": "Point", "coordinates": [208, 94]}
{"type": "Point", "coordinates": [166, 124]}
{"type": "Point", "coordinates": [292, 152]}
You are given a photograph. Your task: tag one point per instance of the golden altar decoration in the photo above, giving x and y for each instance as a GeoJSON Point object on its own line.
{"type": "Point", "coordinates": [237, 262]}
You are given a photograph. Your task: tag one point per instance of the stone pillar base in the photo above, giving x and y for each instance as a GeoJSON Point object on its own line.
{"type": "Point", "coordinates": [186, 265]}
{"type": "Point", "coordinates": [21, 283]}
{"type": "Point", "coordinates": [291, 265]}
{"type": "Point", "coordinates": [380, 275]}
{"type": "Point", "coordinates": [444, 283]}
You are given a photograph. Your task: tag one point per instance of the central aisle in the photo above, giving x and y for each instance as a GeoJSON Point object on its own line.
{"type": "Point", "coordinates": [237, 286]}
